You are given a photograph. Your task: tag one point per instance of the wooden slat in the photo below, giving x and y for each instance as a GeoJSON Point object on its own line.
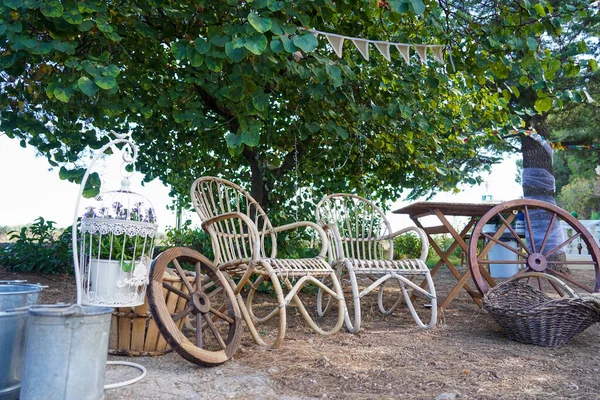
{"type": "Point", "coordinates": [138, 328]}
{"type": "Point", "coordinates": [124, 341]}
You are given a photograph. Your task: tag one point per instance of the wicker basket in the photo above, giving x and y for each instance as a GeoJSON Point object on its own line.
{"type": "Point", "coordinates": [133, 331]}
{"type": "Point", "coordinates": [528, 315]}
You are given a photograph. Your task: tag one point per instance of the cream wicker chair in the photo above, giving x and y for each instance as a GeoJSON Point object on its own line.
{"type": "Point", "coordinates": [240, 231]}
{"type": "Point", "coordinates": [361, 244]}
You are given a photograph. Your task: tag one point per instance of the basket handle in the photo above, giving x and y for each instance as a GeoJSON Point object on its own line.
{"type": "Point", "coordinates": [549, 277]}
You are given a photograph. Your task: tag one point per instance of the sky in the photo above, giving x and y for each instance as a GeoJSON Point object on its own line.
{"type": "Point", "coordinates": [29, 188]}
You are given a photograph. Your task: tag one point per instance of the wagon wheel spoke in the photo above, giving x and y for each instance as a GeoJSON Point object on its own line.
{"type": "Point", "coordinates": [547, 235]}
{"type": "Point", "coordinates": [199, 334]}
{"type": "Point", "coordinates": [219, 313]}
{"type": "Point", "coordinates": [529, 230]}
{"type": "Point", "coordinates": [515, 236]}
{"type": "Point", "coordinates": [199, 277]}
{"type": "Point", "coordinates": [176, 317]}
{"type": "Point", "coordinates": [178, 292]}
{"type": "Point", "coordinates": [563, 244]}
{"type": "Point", "coordinates": [214, 330]}
{"type": "Point", "coordinates": [567, 278]}
{"type": "Point", "coordinates": [215, 292]}
{"type": "Point", "coordinates": [501, 243]}
{"type": "Point", "coordinates": [183, 276]}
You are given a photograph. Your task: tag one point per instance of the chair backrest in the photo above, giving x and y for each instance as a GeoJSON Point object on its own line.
{"type": "Point", "coordinates": [213, 197]}
{"type": "Point", "coordinates": [360, 224]}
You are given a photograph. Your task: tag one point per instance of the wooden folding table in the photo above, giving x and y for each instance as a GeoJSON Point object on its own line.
{"type": "Point", "coordinates": [472, 211]}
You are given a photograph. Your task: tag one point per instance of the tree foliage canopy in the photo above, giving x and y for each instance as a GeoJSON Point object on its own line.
{"type": "Point", "coordinates": [240, 89]}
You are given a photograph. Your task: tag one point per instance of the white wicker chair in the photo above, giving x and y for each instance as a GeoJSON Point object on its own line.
{"type": "Point", "coordinates": [361, 244]}
{"type": "Point", "coordinates": [239, 230]}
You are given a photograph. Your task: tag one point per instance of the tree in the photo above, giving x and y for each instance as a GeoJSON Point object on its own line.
{"type": "Point", "coordinates": [240, 89]}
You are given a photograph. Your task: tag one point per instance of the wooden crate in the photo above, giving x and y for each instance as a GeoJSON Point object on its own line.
{"type": "Point", "coordinates": [133, 331]}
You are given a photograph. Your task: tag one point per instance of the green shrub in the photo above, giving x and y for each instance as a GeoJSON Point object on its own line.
{"type": "Point", "coordinates": [193, 238]}
{"type": "Point", "coordinates": [39, 248]}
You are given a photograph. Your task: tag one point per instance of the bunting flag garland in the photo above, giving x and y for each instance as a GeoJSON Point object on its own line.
{"type": "Point", "coordinates": [362, 45]}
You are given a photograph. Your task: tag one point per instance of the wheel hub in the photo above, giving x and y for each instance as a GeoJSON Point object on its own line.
{"type": "Point", "coordinates": [201, 302]}
{"type": "Point", "coordinates": [537, 262]}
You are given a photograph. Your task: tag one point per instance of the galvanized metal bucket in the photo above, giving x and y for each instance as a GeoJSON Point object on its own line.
{"type": "Point", "coordinates": [65, 353]}
{"type": "Point", "coordinates": [13, 326]}
{"type": "Point", "coordinates": [16, 294]}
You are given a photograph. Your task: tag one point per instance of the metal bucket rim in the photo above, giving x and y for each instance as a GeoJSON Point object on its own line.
{"type": "Point", "coordinates": [25, 288]}
{"type": "Point", "coordinates": [68, 310]}
{"type": "Point", "coordinates": [12, 313]}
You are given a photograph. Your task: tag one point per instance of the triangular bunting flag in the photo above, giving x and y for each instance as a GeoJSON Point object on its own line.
{"type": "Point", "coordinates": [384, 49]}
{"type": "Point", "coordinates": [422, 52]}
{"type": "Point", "coordinates": [437, 53]}
{"type": "Point", "coordinates": [405, 51]}
{"type": "Point", "coordinates": [362, 46]}
{"type": "Point", "coordinates": [336, 42]}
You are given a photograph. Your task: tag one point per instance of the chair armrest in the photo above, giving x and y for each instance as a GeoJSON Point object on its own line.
{"type": "Point", "coordinates": [252, 231]}
{"type": "Point", "coordinates": [422, 236]}
{"type": "Point", "coordinates": [309, 224]}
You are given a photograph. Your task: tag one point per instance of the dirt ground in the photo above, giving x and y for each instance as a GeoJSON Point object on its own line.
{"type": "Point", "coordinates": [465, 356]}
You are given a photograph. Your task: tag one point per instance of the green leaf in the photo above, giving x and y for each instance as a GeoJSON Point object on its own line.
{"type": "Point", "coordinates": [335, 75]}
{"type": "Point", "coordinates": [342, 132]}
{"type": "Point", "coordinates": [539, 9]}
{"type": "Point", "coordinates": [179, 49]}
{"type": "Point", "coordinates": [29, 42]}
{"type": "Point", "coordinates": [219, 40]}
{"type": "Point", "coordinates": [42, 48]}
{"type": "Point", "coordinates": [261, 25]}
{"type": "Point", "coordinates": [306, 42]}
{"type": "Point", "coordinates": [202, 46]}
{"type": "Point", "coordinates": [214, 64]}
{"type": "Point", "coordinates": [63, 94]}
{"type": "Point", "coordinates": [52, 9]}
{"type": "Point", "coordinates": [86, 85]}
{"type": "Point", "coordinates": [73, 16]}
{"type": "Point", "coordinates": [260, 101]}
{"type": "Point", "coordinates": [111, 70]}
{"type": "Point", "coordinates": [13, 4]}
{"type": "Point", "coordinates": [232, 140]}
{"type": "Point", "coordinates": [234, 54]}
{"type": "Point", "coordinates": [105, 82]}
{"type": "Point", "coordinates": [92, 186]}
{"type": "Point", "coordinates": [256, 43]}
{"type": "Point", "coordinates": [276, 46]}
{"type": "Point", "coordinates": [543, 104]}
{"type": "Point", "coordinates": [418, 6]}
{"type": "Point", "coordinates": [2, 29]}
{"type": "Point", "coordinates": [532, 43]}
{"type": "Point", "coordinates": [85, 26]}
{"type": "Point", "coordinates": [312, 127]}
{"type": "Point", "coordinates": [288, 45]}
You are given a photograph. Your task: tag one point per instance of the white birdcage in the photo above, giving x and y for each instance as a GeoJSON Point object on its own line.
{"type": "Point", "coordinates": [116, 240]}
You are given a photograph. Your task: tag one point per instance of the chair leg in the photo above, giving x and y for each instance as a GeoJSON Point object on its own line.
{"type": "Point", "coordinates": [323, 295]}
{"type": "Point", "coordinates": [339, 294]}
{"type": "Point", "coordinates": [265, 334]}
{"type": "Point", "coordinates": [353, 326]}
{"type": "Point", "coordinates": [382, 308]}
{"type": "Point", "coordinates": [432, 300]}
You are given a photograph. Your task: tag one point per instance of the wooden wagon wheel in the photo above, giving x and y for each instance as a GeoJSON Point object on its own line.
{"type": "Point", "coordinates": [210, 306]}
{"type": "Point", "coordinates": [541, 255]}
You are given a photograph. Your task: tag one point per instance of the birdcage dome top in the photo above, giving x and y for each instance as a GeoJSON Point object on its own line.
{"type": "Point", "coordinates": [120, 211]}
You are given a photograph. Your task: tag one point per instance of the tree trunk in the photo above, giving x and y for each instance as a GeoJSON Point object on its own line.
{"type": "Point", "coordinates": [539, 184]}
{"type": "Point", "coordinates": [539, 157]}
